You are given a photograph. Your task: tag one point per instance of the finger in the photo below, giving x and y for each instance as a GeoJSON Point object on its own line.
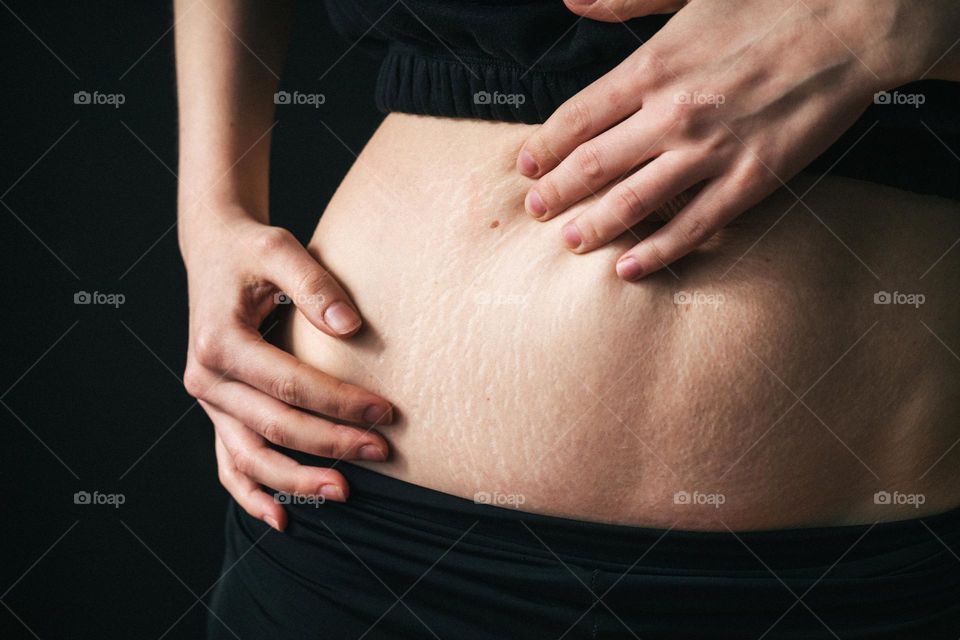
{"type": "Point", "coordinates": [631, 200]}
{"type": "Point", "coordinates": [245, 491]}
{"type": "Point", "coordinates": [602, 104]}
{"type": "Point", "coordinates": [594, 164]}
{"type": "Point", "coordinates": [259, 463]}
{"type": "Point", "coordinates": [714, 206]}
{"type": "Point", "coordinates": [246, 357]}
{"type": "Point", "coordinates": [287, 427]}
{"type": "Point", "coordinates": [621, 10]}
{"type": "Point", "coordinates": [307, 284]}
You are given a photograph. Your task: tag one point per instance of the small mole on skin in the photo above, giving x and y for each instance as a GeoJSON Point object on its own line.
{"type": "Point", "coordinates": [494, 224]}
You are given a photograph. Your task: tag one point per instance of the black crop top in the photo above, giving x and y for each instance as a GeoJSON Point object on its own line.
{"type": "Point", "coordinates": [518, 60]}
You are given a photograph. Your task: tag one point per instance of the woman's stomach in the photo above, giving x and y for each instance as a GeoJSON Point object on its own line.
{"type": "Point", "coordinates": [800, 369]}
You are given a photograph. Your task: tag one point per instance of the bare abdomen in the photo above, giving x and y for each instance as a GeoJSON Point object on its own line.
{"type": "Point", "coordinates": [757, 384]}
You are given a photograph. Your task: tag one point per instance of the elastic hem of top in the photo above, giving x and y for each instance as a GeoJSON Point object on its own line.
{"type": "Point", "coordinates": [427, 83]}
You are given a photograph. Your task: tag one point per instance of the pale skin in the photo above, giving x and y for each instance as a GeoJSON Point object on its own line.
{"type": "Point", "coordinates": [236, 262]}
{"type": "Point", "coordinates": [735, 97]}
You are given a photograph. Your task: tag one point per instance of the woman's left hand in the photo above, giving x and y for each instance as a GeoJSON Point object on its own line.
{"type": "Point", "coordinates": [736, 95]}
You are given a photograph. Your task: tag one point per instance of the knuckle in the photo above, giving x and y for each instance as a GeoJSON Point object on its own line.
{"type": "Point", "coordinates": [644, 66]}
{"type": "Point", "coordinates": [754, 172]}
{"type": "Point", "coordinates": [587, 161]}
{"type": "Point", "coordinates": [343, 399]}
{"type": "Point", "coordinates": [339, 440]}
{"type": "Point", "coordinates": [549, 191]}
{"type": "Point", "coordinates": [193, 381]}
{"type": "Point", "coordinates": [313, 281]}
{"type": "Point", "coordinates": [589, 233]}
{"type": "Point", "coordinates": [274, 430]}
{"type": "Point", "coordinates": [222, 476]}
{"type": "Point", "coordinates": [245, 462]}
{"type": "Point", "coordinates": [272, 239]}
{"type": "Point", "coordinates": [576, 118]}
{"type": "Point", "coordinates": [657, 253]}
{"type": "Point", "coordinates": [208, 346]}
{"type": "Point", "coordinates": [680, 117]}
{"type": "Point", "coordinates": [628, 201]}
{"type": "Point", "coordinates": [288, 390]}
{"type": "Point", "coordinates": [693, 230]}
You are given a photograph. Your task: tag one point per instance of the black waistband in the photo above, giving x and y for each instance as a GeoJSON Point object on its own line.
{"type": "Point", "coordinates": [868, 549]}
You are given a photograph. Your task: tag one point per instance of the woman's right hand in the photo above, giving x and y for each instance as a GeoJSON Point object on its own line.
{"type": "Point", "coordinates": [256, 393]}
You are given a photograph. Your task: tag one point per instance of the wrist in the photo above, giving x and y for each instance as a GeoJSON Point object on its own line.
{"type": "Point", "coordinates": [208, 224]}
{"type": "Point", "coordinates": [918, 45]}
{"type": "Point", "coordinates": [941, 51]}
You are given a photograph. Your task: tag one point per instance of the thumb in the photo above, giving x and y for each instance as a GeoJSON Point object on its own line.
{"type": "Point", "coordinates": [622, 10]}
{"type": "Point", "coordinates": [311, 288]}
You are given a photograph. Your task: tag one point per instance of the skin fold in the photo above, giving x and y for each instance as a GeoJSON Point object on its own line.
{"type": "Point", "coordinates": [519, 369]}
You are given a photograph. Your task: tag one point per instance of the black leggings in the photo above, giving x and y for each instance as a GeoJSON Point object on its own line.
{"type": "Point", "coordinates": [402, 561]}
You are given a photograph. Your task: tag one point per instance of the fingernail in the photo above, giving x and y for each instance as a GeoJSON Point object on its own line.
{"type": "Point", "coordinates": [527, 165]}
{"type": "Point", "coordinates": [371, 453]}
{"type": "Point", "coordinates": [571, 235]}
{"type": "Point", "coordinates": [582, 1]}
{"type": "Point", "coordinates": [377, 413]}
{"type": "Point", "coordinates": [535, 204]}
{"type": "Point", "coordinates": [272, 522]}
{"type": "Point", "coordinates": [341, 318]}
{"type": "Point", "coordinates": [628, 268]}
{"type": "Point", "coordinates": [331, 492]}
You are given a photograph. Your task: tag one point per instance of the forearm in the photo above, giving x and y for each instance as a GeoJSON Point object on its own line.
{"type": "Point", "coordinates": [229, 55]}
{"type": "Point", "coordinates": [943, 24]}
{"type": "Point", "coordinates": [924, 45]}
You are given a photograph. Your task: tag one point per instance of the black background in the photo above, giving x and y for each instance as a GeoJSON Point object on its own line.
{"type": "Point", "coordinates": [92, 399]}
